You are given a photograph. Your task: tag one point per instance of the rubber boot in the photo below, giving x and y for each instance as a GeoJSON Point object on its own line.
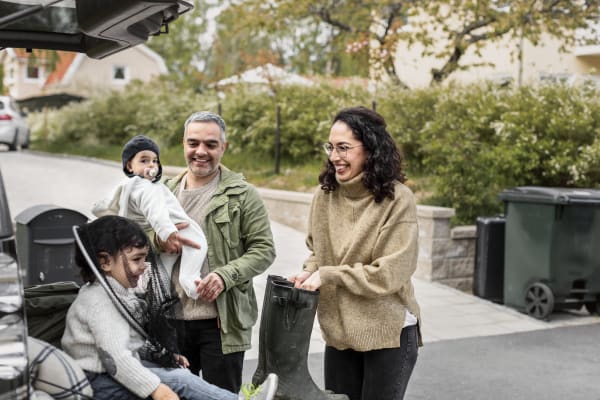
{"type": "Point", "coordinates": [286, 327]}
{"type": "Point", "coordinates": [260, 374]}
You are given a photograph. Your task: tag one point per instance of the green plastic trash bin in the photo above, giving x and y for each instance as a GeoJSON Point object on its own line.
{"type": "Point", "coordinates": [551, 257]}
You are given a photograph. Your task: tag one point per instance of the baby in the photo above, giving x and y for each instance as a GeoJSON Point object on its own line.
{"type": "Point", "coordinates": [143, 199]}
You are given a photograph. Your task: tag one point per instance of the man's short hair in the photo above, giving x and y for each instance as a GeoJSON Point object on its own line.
{"type": "Point", "coordinates": [206, 116]}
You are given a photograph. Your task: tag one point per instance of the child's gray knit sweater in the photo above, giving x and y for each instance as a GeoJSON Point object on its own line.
{"type": "Point", "coordinates": [102, 341]}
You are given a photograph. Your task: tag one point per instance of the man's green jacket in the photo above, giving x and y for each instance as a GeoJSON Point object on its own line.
{"type": "Point", "coordinates": [240, 247]}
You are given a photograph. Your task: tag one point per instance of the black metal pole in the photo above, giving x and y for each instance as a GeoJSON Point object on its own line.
{"type": "Point", "coordinates": [374, 105]}
{"type": "Point", "coordinates": [278, 141]}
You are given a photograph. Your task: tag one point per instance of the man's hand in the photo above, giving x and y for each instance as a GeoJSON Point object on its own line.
{"type": "Point", "coordinates": [210, 287]}
{"type": "Point", "coordinates": [175, 241]}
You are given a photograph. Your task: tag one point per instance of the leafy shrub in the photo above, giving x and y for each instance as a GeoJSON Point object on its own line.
{"type": "Point", "coordinates": [481, 139]}
{"type": "Point", "coordinates": [470, 141]}
{"type": "Point", "coordinates": [305, 112]}
{"type": "Point", "coordinates": [407, 112]}
{"type": "Point", "coordinates": [157, 109]}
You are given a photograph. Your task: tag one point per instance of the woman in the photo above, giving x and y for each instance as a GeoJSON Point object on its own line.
{"type": "Point", "coordinates": [362, 235]}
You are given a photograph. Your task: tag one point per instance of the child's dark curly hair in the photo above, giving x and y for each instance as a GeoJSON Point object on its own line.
{"type": "Point", "coordinates": [109, 234]}
{"type": "Point", "coordinates": [383, 167]}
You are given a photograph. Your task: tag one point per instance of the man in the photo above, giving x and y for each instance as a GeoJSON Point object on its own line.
{"type": "Point", "coordinates": [215, 330]}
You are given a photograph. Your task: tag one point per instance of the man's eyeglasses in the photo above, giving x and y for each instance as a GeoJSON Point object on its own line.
{"type": "Point", "coordinates": [340, 149]}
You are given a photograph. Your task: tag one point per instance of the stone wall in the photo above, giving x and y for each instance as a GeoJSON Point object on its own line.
{"type": "Point", "coordinates": [288, 208]}
{"type": "Point", "coordinates": [446, 255]}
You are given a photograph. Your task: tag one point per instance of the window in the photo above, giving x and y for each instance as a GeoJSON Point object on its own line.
{"type": "Point", "coordinates": [502, 79]}
{"type": "Point", "coordinates": [564, 78]}
{"type": "Point", "coordinates": [9, 77]}
{"type": "Point", "coordinates": [120, 74]}
{"type": "Point", "coordinates": [33, 73]}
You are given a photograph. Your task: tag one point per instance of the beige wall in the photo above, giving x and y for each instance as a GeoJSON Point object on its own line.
{"type": "Point", "coordinates": [545, 58]}
{"type": "Point", "coordinates": [93, 75]}
{"type": "Point", "coordinates": [15, 82]}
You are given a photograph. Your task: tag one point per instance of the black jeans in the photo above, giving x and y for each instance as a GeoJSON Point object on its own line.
{"type": "Point", "coordinates": [200, 342]}
{"type": "Point", "coordinates": [377, 374]}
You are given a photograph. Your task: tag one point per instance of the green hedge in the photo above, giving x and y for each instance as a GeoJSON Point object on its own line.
{"type": "Point", "coordinates": [470, 141]}
{"type": "Point", "coordinates": [480, 140]}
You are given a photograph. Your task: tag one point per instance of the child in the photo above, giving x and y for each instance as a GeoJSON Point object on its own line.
{"type": "Point", "coordinates": [105, 343]}
{"type": "Point", "coordinates": [142, 198]}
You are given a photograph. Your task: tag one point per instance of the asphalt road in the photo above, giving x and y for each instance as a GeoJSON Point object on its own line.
{"type": "Point", "coordinates": [550, 364]}
{"type": "Point", "coordinates": [559, 363]}
{"type": "Point", "coordinates": [74, 183]}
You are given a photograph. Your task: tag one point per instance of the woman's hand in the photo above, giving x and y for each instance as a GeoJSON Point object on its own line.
{"type": "Point", "coordinates": [163, 392]}
{"type": "Point", "coordinates": [313, 282]}
{"type": "Point", "coordinates": [300, 278]}
{"type": "Point", "coordinates": [307, 280]}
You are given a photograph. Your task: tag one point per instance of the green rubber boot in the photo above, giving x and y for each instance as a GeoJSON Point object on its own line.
{"type": "Point", "coordinates": [260, 374]}
{"type": "Point", "coordinates": [286, 326]}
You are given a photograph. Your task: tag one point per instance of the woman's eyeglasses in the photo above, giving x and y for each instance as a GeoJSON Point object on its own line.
{"type": "Point", "coordinates": [340, 149]}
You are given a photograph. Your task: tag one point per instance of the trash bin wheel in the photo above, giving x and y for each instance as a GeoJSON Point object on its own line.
{"type": "Point", "coordinates": [539, 300]}
{"type": "Point", "coordinates": [593, 307]}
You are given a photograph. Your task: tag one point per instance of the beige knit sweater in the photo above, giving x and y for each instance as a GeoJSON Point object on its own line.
{"type": "Point", "coordinates": [366, 253]}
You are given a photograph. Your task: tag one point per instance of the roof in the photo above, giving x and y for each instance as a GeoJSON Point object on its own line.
{"type": "Point", "coordinates": [64, 62]}
{"type": "Point", "coordinates": [266, 74]}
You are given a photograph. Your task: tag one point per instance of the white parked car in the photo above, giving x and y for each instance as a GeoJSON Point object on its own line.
{"type": "Point", "coordinates": [14, 130]}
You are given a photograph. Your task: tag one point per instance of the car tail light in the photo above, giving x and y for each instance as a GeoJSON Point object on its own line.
{"type": "Point", "coordinates": [5, 117]}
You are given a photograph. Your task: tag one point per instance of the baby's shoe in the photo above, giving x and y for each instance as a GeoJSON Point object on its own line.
{"type": "Point", "coordinates": [264, 391]}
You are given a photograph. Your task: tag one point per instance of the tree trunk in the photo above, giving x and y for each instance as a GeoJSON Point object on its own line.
{"type": "Point", "coordinates": [439, 75]}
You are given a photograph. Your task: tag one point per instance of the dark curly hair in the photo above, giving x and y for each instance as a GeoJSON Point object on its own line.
{"type": "Point", "coordinates": [383, 167]}
{"type": "Point", "coordinates": [109, 234]}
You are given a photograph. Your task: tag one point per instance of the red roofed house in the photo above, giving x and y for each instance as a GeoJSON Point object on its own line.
{"type": "Point", "coordinates": [75, 74]}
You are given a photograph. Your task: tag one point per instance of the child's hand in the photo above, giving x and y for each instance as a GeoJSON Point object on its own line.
{"type": "Point", "coordinates": [163, 392]}
{"type": "Point", "coordinates": [181, 360]}
{"type": "Point", "coordinates": [175, 242]}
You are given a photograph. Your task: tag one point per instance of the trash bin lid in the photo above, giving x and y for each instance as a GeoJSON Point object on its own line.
{"type": "Point", "coordinates": [26, 216]}
{"type": "Point", "coordinates": [550, 195]}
